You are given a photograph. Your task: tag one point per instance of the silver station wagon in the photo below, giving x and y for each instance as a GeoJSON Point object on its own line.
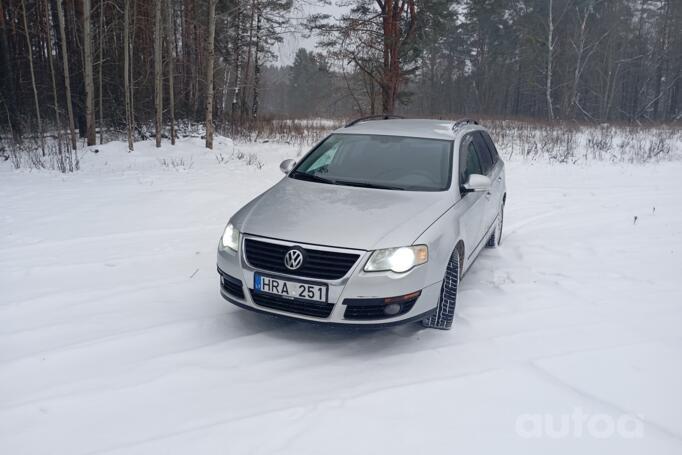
{"type": "Point", "coordinates": [374, 226]}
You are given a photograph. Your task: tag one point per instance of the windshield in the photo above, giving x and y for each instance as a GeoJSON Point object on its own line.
{"type": "Point", "coordinates": [374, 161]}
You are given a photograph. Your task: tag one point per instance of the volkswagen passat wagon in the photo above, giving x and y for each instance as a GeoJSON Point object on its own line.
{"type": "Point", "coordinates": [374, 226]}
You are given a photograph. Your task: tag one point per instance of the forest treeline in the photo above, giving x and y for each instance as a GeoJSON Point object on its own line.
{"type": "Point", "coordinates": [83, 67]}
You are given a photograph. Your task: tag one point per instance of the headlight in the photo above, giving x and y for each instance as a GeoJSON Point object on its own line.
{"type": "Point", "coordinates": [230, 238]}
{"type": "Point", "coordinates": [397, 259]}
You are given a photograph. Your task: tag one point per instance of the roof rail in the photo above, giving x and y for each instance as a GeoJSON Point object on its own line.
{"type": "Point", "coordinates": [462, 122]}
{"type": "Point", "coordinates": [374, 117]}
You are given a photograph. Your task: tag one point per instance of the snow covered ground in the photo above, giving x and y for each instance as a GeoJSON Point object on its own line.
{"type": "Point", "coordinates": [114, 338]}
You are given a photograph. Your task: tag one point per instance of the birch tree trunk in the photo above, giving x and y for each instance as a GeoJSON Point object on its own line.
{"type": "Point", "coordinates": [170, 19]}
{"type": "Point", "coordinates": [126, 73]}
{"type": "Point", "coordinates": [662, 63]}
{"type": "Point", "coordinates": [243, 109]}
{"type": "Point", "coordinates": [209, 73]}
{"type": "Point", "coordinates": [52, 76]}
{"type": "Point", "coordinates": [87, 71]}
{"type": "Point", "coordinates": [33, 78]}
{"type": "Point", "coordinates": [237, 63]}
{"type": "Point", "coordinates": [67, 79]}
{"type": "Point", "coordinates": [550, 52]}
{"type": "Point", "coordinates": [227, 74]}
{"type": "Point", "coordinates": [101, 61]}
{"type": "Point", "coordinates": [196, 62]}
{"type": "Point", "coordinates": [579, 49]}
{"type": "Point", "coordinates": [256, 60]}
{"type": "Point", "coordinates": [132, 61]}
{"type": "Point", "coordinates": [158, 72]}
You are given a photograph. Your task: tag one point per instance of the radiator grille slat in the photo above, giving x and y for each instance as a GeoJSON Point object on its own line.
{"type": "Point", "coordinates": [321, 264]}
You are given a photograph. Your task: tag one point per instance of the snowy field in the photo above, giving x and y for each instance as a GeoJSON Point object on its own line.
{"type": "Point", "coordinates": [114, 338]}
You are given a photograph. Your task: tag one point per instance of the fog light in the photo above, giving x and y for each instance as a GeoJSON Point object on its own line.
{"type": "Point", "coordinates": [392, 309]}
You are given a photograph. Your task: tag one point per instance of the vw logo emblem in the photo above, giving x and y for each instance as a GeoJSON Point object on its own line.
{"type": "Point", "coordinates": [293, 259]}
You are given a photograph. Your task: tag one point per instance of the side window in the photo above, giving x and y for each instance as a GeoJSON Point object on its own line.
{"type": "Point", "coordinates": [483, 153]}
{"type": "Point", "coordinates": [468, 160]}
{"type": "Point", "coordinates": [491, 146]}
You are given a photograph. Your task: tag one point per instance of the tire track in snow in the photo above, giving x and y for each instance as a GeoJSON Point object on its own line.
{"type": "Point", "coordinates": [612, 407]}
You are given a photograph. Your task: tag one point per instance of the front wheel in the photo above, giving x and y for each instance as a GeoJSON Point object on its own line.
{"type": "Point", "coordinates": [444, 315]}
{"type": "Point", "coordinates": [496, 237]}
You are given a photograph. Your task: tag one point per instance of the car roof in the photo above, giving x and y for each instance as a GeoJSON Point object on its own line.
{"type": "Point", "coordinates": [422, 128]}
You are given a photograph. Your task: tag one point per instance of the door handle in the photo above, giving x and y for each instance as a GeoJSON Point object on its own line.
{"type": "Point", "coordinates": [488, 194]}
{"type": "Point", "coordinates": [499, 179]}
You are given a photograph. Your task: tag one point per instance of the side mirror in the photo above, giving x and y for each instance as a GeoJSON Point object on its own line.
{"type": "Point", "coordinates": [287, 165]}
{"type": "Point", "coordinates": [477, 183]}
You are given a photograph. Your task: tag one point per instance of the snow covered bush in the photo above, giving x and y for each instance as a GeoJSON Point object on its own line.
{"type": "Point", "coordinates": [178, 164]}
{"type": "Point", "coordinates": [289, 131]}
{"type": "Point", "coordinates": [28, 155]}
{"type": "Point", "coordinates": [558, 142]}
{"type": "Point", "coordinates": [570, 143]}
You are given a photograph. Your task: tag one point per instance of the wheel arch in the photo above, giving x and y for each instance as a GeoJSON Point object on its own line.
{"type": "Point", "coordinates": [459, 247]}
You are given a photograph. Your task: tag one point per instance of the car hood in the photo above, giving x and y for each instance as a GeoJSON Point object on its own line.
{"type": "Point", "coordinates": [342, 216]}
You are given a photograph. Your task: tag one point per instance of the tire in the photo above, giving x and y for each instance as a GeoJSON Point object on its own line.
{"type": "Point", "coordinates": [496, 237]}
{"type": "Point", "coordinates": [444, 315]}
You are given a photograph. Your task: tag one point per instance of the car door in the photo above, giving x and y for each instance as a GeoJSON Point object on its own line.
{"type": "Point", "coordinates": [492, 171]}
{"type": "Point", "coordinates": [475, 203]}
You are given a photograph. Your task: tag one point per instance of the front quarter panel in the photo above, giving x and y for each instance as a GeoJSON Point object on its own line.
{"type": "Point", "coordinates": [442, 237]}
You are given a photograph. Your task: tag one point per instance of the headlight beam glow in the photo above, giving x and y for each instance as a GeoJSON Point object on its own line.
{"type": "Point", "coordinates": [398, 260]}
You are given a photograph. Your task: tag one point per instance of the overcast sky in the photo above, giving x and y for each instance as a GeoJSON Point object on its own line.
{"type": "Point", "coordinates": [293, 41]}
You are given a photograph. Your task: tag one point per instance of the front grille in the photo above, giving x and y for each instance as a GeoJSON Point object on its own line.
{"type": "Point", "coordinates": [326, 265]}
{"type": "Point", "coordinates": [298, 306]}
{"type": "Point", "coordinates": [232, 285]}
{"type": "Point", "coordinates": [365, 309]}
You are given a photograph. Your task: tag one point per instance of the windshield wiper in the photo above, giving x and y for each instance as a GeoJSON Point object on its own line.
{"type": "Point", "coordinates": [311, 177]}
{"type": "Point", "coordinates": [368, 185]}
{"type": "Point", "coordinates": [314, 178]}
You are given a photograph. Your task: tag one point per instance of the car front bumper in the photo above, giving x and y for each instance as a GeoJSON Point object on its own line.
{"type": "Point", "coordinates": [356, 299]}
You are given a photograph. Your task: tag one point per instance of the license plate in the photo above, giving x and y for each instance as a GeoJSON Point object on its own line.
{"type": "Point", "coordinates": [290, 289]}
